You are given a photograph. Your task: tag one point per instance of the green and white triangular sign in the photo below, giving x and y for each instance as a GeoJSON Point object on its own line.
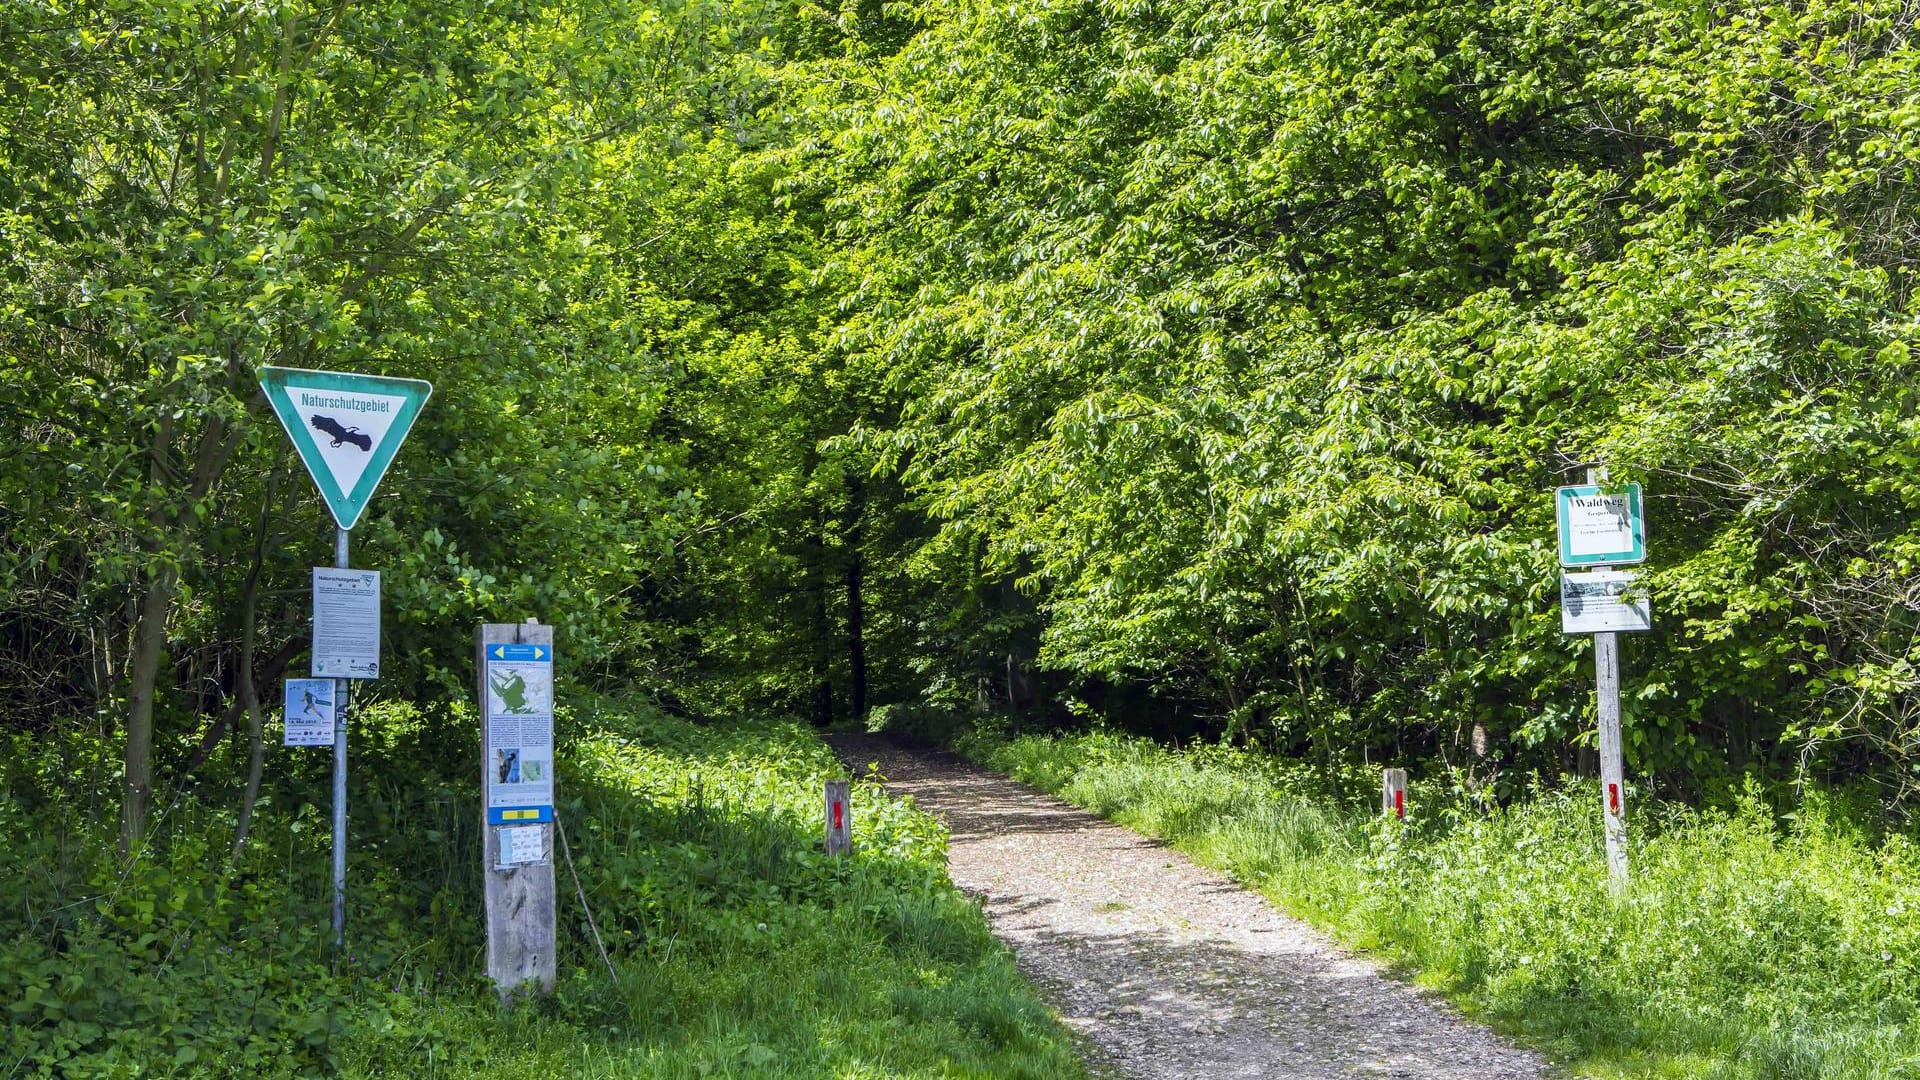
{"type": "Point", "coordinates": [346, 427]}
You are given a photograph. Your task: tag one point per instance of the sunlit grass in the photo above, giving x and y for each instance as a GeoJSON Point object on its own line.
{"type": "Point", "coordinates": [1744, 950]}
{"type": "Point", "coordinates": [740, 949]}
{"type": "Point", "coordinates": [745, 950]}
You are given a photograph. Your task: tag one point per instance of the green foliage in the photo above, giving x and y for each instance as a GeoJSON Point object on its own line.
{"type": "Point", "coordinates": [1745, 947]}
{"type": "Point", "coordinates": [1196, 366]}
{"type": "Point", "coordinates": [742, 949]}
{"type": "Point", "coordinates": [1251, 339]}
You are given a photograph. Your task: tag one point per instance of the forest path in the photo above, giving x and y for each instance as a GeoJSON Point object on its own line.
{"type": "Point", "coordinates": [1168, 969]}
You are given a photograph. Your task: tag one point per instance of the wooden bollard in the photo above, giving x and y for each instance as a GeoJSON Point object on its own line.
{"type": "Point", "coordinates": [839, 817]}
{"type": "Point", "coordinates": [1393, 792]}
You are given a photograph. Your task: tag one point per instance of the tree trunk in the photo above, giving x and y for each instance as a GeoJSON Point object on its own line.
{"type": "Point", "coordinates": [822, 635]}
{"type": "Point", "coordinates": [150, 633]}
{"type": "Point", "coordinates": [256, 760]}
{"type": "Point", "coordinates": [149, 641]}
{"type": "Point", "coordinates": [856, 600]}
{"type": "Point", "coordinates": [275, 667]}
{"type": "Point", "coordinates": [245, 691]}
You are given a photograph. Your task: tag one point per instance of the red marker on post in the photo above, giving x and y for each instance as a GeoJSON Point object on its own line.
{"type": "Point", "coordinates": [1393, 792]}
{"type": "Point", "coordinates": [839, 825]}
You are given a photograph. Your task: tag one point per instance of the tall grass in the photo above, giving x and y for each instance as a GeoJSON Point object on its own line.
{"type": "Point", "coordinates": [740, 949]}
{"type": "Point", "coordinates": [1744, 948]}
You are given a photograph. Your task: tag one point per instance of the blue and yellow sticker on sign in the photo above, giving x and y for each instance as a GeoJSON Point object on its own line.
{"type": "Point", "coordinates": [520, 653]}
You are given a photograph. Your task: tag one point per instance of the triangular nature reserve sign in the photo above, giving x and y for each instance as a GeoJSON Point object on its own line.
{"type": "Point", "coordinates": [346, 428]}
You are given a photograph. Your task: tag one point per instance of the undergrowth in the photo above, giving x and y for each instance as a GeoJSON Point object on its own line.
{"type": "Point", "coordinates": [1746, 948]}
{"type": "Point", "coordinates": [741, 948]}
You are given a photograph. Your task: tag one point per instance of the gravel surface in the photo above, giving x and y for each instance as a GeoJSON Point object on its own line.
{"type": "Point", "coordinates": [1170, 970]}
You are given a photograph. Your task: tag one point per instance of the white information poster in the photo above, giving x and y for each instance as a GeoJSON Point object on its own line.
{"type": "Point", "coordinates": [523, 844]}
{"type": "Point", "coordinates": [1602, 600]}
{"type": "Point", "coordinates": [519, 732]}
{"type": "Point", "coordinates": [346, 623]}
{"type": "Point", "coordinates": [309, 712]}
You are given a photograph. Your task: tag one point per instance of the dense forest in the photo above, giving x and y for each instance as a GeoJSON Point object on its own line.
{"type": "Point", "coordinates": [1204, 367]}
{"type": "Point", "coordinates": [1197, 368]}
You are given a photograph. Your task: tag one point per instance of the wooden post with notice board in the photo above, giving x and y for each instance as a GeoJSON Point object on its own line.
{"type": "Point", "coordinates": [514, 685]}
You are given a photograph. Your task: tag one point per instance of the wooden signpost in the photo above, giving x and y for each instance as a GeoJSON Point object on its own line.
{"type": "Point", "coordinates": [514, 684]}
{"type": "Point", "coordinates": [839, 817]}
{"type": "Point", "coordinates": [1613, 768]}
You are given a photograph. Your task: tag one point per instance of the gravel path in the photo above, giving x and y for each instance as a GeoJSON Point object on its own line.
{"type": "Point", "coordinates": [1170, 970]}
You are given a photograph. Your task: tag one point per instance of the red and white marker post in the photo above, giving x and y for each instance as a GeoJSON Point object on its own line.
{"type": "Point", "coordinates": [1393, 793]}
{"type": "Point", "coordinates": [839, 815]}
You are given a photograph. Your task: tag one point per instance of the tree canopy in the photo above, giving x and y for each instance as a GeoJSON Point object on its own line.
{"type": "Point", "coordinates": [1204, 366]}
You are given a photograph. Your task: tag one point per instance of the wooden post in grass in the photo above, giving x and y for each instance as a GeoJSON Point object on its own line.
{"type": "Point", "coordinates": [514, 682]}
{"type": "Point", "coordinates": [1393, 792]}
{"type": "Point", "coordinates": [839, 807]}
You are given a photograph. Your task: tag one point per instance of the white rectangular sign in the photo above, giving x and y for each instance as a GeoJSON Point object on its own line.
{"type": "Point", "coordinates": [309, 712]}
{"type": "Point", "coordinates": [1601, 600]}
{"type": "Point", "coordinates": [346, 623]}
{"type": "Point", "coordinates": [523, 844]}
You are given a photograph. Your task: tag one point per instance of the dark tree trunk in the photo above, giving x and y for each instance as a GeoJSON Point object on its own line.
{"type": "Point", "coordinates": [246, 692]}
{"type": "Point", "coordinates": [156, 605]}
{"type": "Point", "coordinates": [822, 635]}
{"type": "Point", "coordinates": [856, 600]}
{"type": "Point", "coordinates": [149, 642]}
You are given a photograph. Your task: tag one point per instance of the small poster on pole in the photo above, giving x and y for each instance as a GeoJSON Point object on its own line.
{"type": "Point", "coordinates": [1599, 601]}
{"type": "Point", "coordinates": [346, 623]}
{"type": "Point", "coordinates": [309, 712]}
{"type": "Point", "coordinates": [521, 845]}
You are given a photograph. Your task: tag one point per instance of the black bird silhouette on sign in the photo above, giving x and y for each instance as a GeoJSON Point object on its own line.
{"type": "Point", "coordinates": [342, 433]}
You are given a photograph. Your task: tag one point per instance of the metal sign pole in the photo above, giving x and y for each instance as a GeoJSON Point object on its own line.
{"type": "Point", "coordinates": [340, 780]}
{"type": "Point", "coordinates": [1613, 772]}
{"type": "Point", "coordinates": [361, 420]}
{"type": "Point", "coordinates": [1613, 769]}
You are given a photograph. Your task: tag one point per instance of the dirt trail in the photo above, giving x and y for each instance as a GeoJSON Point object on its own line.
{"type": "Point", "coordinates": [1170, 970]}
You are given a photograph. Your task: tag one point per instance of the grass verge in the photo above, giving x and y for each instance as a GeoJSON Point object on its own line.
{"type": "Point", "coordinates": [741, 949]}
{"type": "Point", "coordinates": [1745, 949]}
